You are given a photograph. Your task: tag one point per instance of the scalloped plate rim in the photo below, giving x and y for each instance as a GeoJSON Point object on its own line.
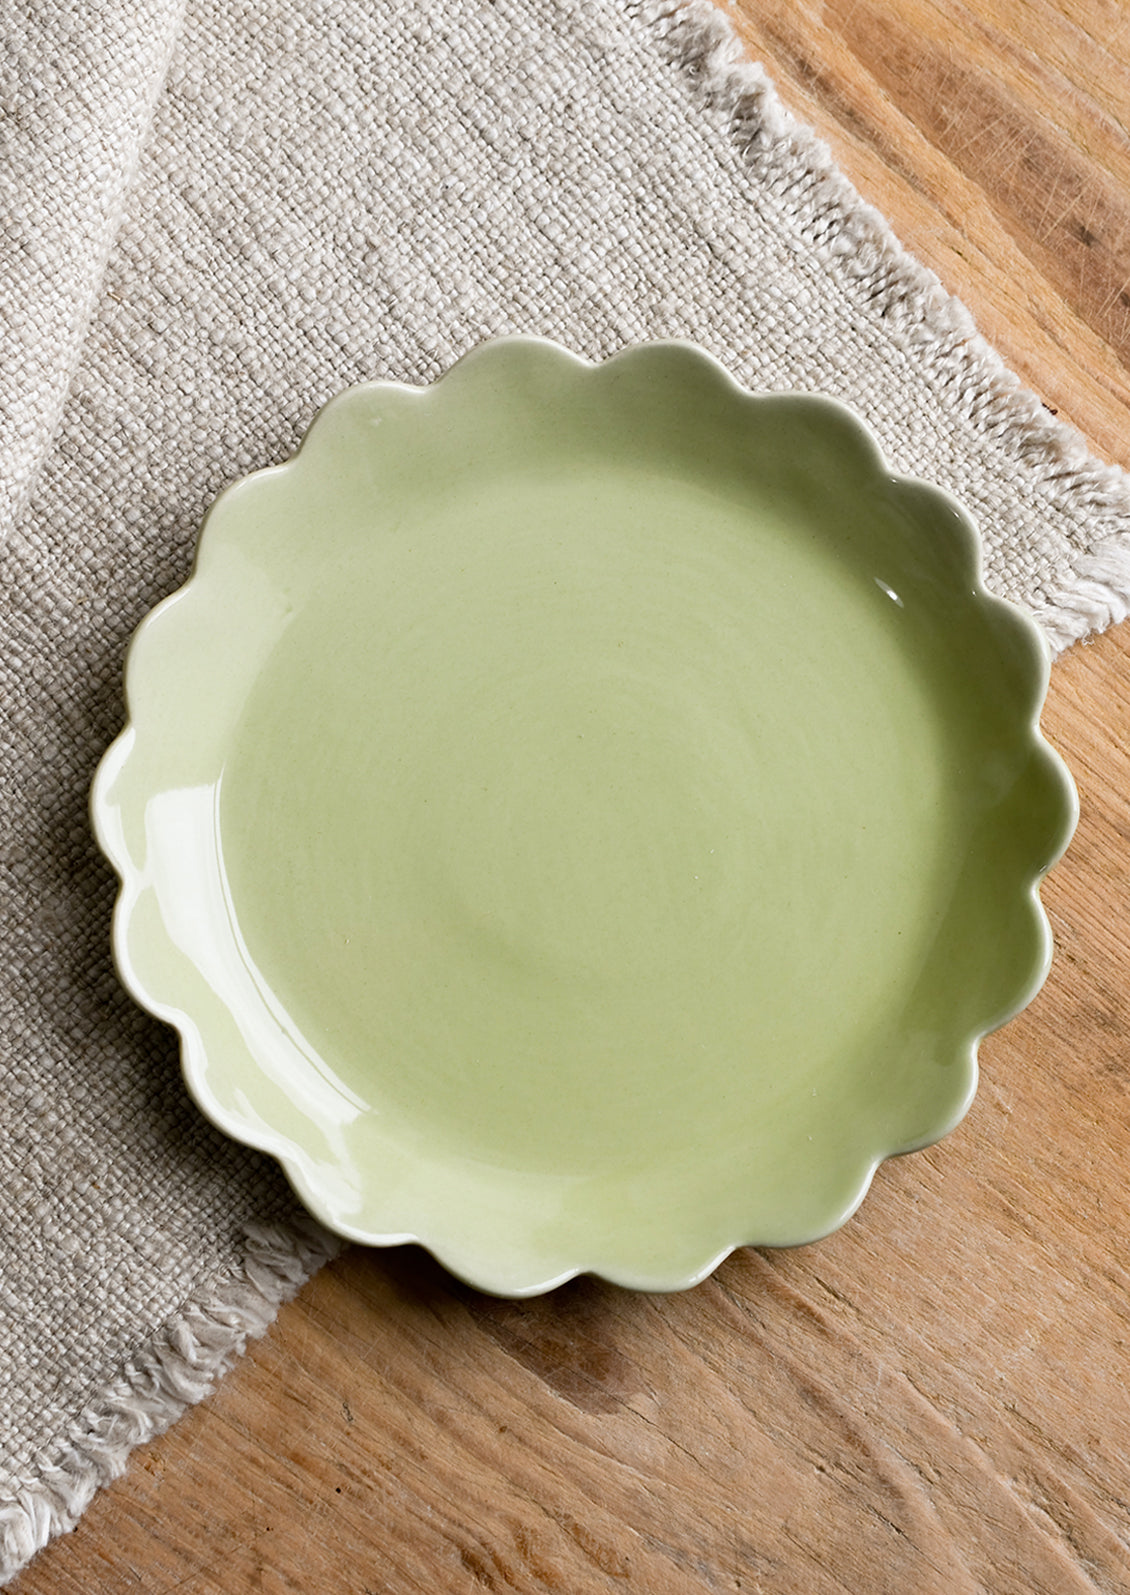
{"type": "Point", "coordinates": [130, 881]}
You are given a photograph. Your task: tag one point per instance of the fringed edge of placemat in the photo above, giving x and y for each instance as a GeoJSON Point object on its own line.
{"type": "Point", "coordinates": [173, 1371]}
{"type": "Point", "coordinates": [856, 243]}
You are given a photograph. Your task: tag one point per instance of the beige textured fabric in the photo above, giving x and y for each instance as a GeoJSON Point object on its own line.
{"type": "Point", "coordinates": [208, 225]}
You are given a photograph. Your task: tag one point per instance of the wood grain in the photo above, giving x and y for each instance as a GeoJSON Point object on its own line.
{"type": "Point", "coordinates": [933, 1400]}
{"type": "Point", "coordinates": [993, 136]}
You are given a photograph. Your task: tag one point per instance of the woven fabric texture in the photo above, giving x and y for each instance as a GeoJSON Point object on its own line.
{"type": "Point", "coordinates": [210, 223]}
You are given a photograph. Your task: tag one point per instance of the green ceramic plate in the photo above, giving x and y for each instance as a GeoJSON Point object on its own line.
{"type": "Point", "coordinates": [583, 818]}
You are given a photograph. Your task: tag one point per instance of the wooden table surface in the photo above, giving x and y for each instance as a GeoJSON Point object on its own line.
{"type": "Point", "coordinates": [933, 1400]}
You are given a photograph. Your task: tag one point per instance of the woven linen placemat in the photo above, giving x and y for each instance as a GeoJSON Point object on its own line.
{"type": "Point", "coordinates": [210, 223]}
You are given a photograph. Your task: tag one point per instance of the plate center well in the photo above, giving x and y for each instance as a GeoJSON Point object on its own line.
{"type": "Point", "coordinates": [563, 835]}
